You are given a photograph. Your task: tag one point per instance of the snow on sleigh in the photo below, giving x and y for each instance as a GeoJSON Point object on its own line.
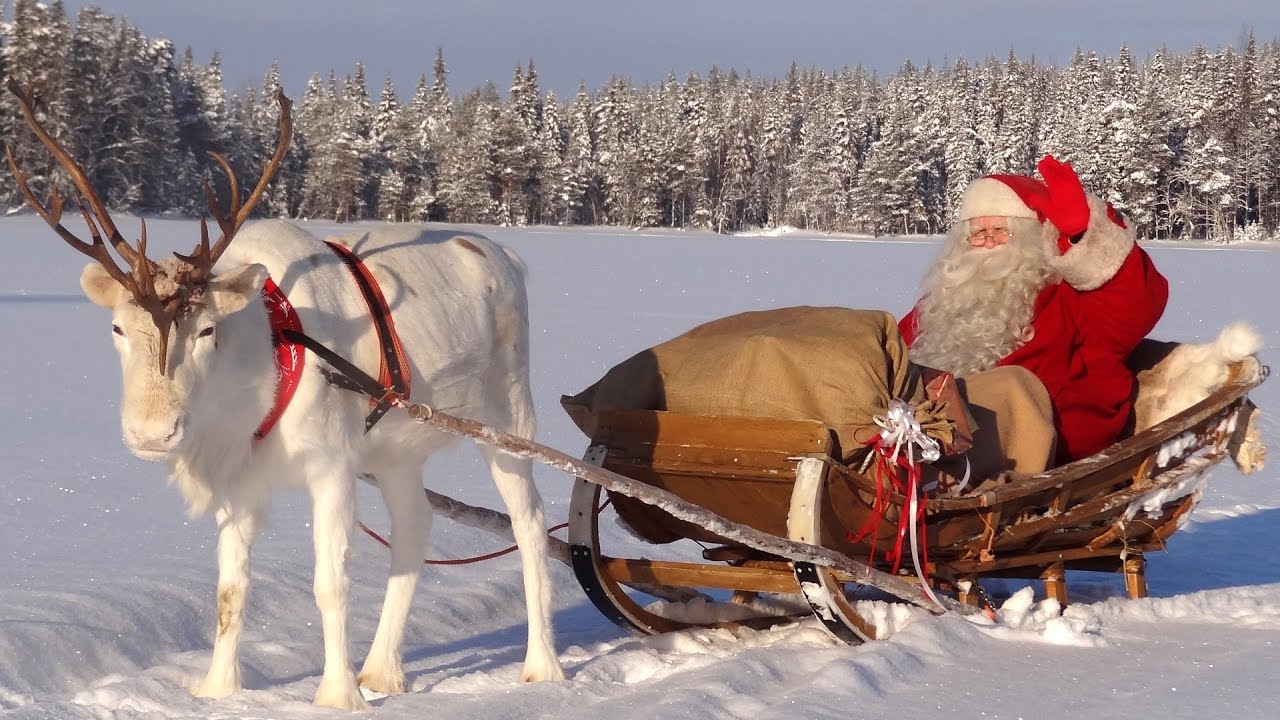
{"type": "Point", "coordinates": [775, 487]}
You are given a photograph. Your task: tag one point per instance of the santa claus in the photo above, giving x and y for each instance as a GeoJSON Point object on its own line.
{"type": "Point", "coordinates": [1042, 276]}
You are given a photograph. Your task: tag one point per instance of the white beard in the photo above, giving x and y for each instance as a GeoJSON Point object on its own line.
{"type": "Point", "coordinates": [978, 303]}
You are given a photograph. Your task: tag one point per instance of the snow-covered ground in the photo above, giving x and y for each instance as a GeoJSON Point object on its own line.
{"type": "Point", "coordinates": [106, 589]}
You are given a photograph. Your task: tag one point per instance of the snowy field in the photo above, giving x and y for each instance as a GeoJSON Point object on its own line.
{"type": "Point", "coordinates": [107, 590]}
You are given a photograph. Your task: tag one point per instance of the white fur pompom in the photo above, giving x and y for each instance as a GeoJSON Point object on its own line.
{"type": "Point", "coordinates": [1238, 341]}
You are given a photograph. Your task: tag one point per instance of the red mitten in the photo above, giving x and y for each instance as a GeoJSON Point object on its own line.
{"type": "Point", "coordinates": [1069, 210]}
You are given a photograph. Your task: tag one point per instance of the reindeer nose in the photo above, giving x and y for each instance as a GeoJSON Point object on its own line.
{"type": "Point", "coordinates": [148, 440]}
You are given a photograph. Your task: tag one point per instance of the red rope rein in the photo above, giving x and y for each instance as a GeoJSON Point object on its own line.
{"type": "Point", "coordinates": [459, 561]}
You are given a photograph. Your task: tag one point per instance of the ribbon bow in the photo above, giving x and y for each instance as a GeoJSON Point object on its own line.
{"type": "Point", "coordinates": [898, 429]}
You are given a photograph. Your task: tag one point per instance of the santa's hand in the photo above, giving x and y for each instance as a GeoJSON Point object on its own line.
{"type": "Point", "coordinates": [1068, 209]}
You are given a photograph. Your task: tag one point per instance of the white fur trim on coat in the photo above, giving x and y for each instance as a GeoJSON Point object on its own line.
{"type": "Point", "coordinates": [1098, 256]}
{"type": "Point", "coordinates": [988, 197]}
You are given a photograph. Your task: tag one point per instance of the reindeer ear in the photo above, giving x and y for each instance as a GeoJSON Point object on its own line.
{"type": "Point", "coordinates": [234, 289]}
{"type": "Point", "coordinates": [101, 288]}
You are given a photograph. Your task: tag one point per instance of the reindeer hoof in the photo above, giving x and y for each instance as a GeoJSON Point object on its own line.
{"type": "Point", "coordinates": [540, 671]}
{"type": "Point", "coordinates": [340, 693]}
{"type": "Point", "coordinates": [215, 689]}
{"type": "Point", "coordinates": [387, 683]}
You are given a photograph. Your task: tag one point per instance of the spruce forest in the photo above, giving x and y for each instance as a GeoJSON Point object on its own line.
{"type": "Point", "coordinates": [1186, 145]}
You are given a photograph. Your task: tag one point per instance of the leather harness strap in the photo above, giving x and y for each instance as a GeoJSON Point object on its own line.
{"type": "Point", "coordinates": [342, 374]}
{"type": "Point", "coordinates": [394, 372]}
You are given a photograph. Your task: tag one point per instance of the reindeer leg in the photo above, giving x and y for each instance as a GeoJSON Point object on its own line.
{"type": "Point", "coordinates": [237, 529]}
{"type": "Point", "coordinates": [410, 526]}
{"type": "Point", "coordinates": [333, 517]}
{"type": "Point", "coordinates": [514, 478]}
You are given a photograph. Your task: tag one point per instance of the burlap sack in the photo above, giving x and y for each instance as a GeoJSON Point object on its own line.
{"type": "Point", "coordinates": [836, 365]}
{"type": "Point", "coordinates": [1013, 409]}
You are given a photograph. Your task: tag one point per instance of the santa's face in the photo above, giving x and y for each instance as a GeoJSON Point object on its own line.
{"type": "Point", "coordinates": [988, 232]}
{"type": "Point", "coordinates": [980, 293]}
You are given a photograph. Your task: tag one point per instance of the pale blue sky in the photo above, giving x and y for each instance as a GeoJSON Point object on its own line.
{"type": "Point", "coordinates": [578, 40]}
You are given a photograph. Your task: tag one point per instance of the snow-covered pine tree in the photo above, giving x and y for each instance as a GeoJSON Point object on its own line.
{"type": "Point", "coordinates": [421, 154]}
{"type": "Point", "coordinates": [316, 115]}
{"type": "Point", "coordinates": [436, 125]}
{"type": "Point", "coordinates": [195, 134]}
{"type": "Point", "coordinates": [816, 172]}
{"type": "Point", "coordinates": [672, 136]}
{"type": "Point", "coordinates": [469, 171]}
{"type": "Point", "coordinates": [580, 193]}
{"type": "Point", "coordinates": [1249, 157]}
{"type": "Point", "coordinates": [1140, 126]}
{"type": "Point", "coordinates": [516, 152]}
{"type": "Point", "coordinates": [284, 194]}
{"type": "Point", "coordinates": [1017, 99]}
{"type": "Point", "coordinates": [732, 211]}
{"type": "Point", "coordinates": [550, 145]}
{"type": "Point", "coordinates": [961, 152]}
{"type": "Point", "coordinates": [704, 112]}
{"type": "Point", "coordinates": [86, 62]}
{"type": "Point", "coordinates": [364, 161]}
{"type": "Point", "coordinates": [165, 170]}
{"type": "Point", "coordinates": [1263, 144]}
{"type": "Point", "coordinates": [34, 46]}
{"type": "Point", "coordinates": [773, 158]}
{"type": "Point", "coordinates": [900, 170]}
{"type": "Point", "coordinates": [617, 129]}
{"type": "Point", "coordinates": [137, 158]}
{"type": "Point", "coordinates": [1202, 172]}
{"type": "Point", "coordinates": [389, 203]}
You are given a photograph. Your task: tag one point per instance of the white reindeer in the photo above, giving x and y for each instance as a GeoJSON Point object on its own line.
{"type": "Point", "coordinates": [199, 375]}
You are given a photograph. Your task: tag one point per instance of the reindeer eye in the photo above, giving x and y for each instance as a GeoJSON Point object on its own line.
{"type": "Point", "coordinates": [116, 329]}
{"type": "Point", "coordinates": [205, 332]}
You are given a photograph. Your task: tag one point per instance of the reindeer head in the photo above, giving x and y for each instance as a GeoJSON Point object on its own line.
{"type": "Point", "coordinates": [165, 314]}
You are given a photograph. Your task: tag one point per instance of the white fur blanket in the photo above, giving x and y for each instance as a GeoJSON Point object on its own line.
{"type": "Point", "coordinates": [1173, 377]}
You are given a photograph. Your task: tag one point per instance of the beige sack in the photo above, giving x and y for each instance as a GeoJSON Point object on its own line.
{"type": "Point", "coordinates": [1013, 409]}
{"type": "Point", "coordinates": [836, 365]}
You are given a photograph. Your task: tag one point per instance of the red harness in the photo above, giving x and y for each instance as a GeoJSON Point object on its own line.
{"type": "Point", "coordinates": [290, 356]}
{"type": "Point", "coordinates": [290, 343]}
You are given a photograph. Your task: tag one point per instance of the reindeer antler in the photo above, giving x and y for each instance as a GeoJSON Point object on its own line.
{"type": "Point", "coordinates": [140, 281]}
{"type": "Point", "coordinates": [203, 257]}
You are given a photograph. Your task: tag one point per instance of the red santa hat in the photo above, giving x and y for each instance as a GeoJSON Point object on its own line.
{"type": "Point", "coordinates": [1005, 196]}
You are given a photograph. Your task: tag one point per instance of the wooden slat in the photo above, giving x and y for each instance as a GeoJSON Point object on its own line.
{"type": "Point", "coordinates": [1099, 509]}
{"type": "Point", "coordinates": [622, 429]}
{"type": "Point", "coordinates": [754, 578]}
{"type": "Point", "coordinates": [1037, 560]}
{"type": "Point", "coordinates": [707, 462]}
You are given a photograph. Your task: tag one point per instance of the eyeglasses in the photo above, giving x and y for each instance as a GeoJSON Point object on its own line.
{"type": "Point", "coordinates": [997, 235]}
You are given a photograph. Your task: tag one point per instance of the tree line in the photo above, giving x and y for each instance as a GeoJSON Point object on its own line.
{"type": "Point", "coordinates": [1186, 145]}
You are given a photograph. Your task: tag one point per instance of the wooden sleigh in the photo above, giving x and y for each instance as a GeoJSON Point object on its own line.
{"type": "Point", "coordinates": [1101, 513]}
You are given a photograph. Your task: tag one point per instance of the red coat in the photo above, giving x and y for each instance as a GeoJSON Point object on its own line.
{"type": "Point", "coordinates": [1080, 342]}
